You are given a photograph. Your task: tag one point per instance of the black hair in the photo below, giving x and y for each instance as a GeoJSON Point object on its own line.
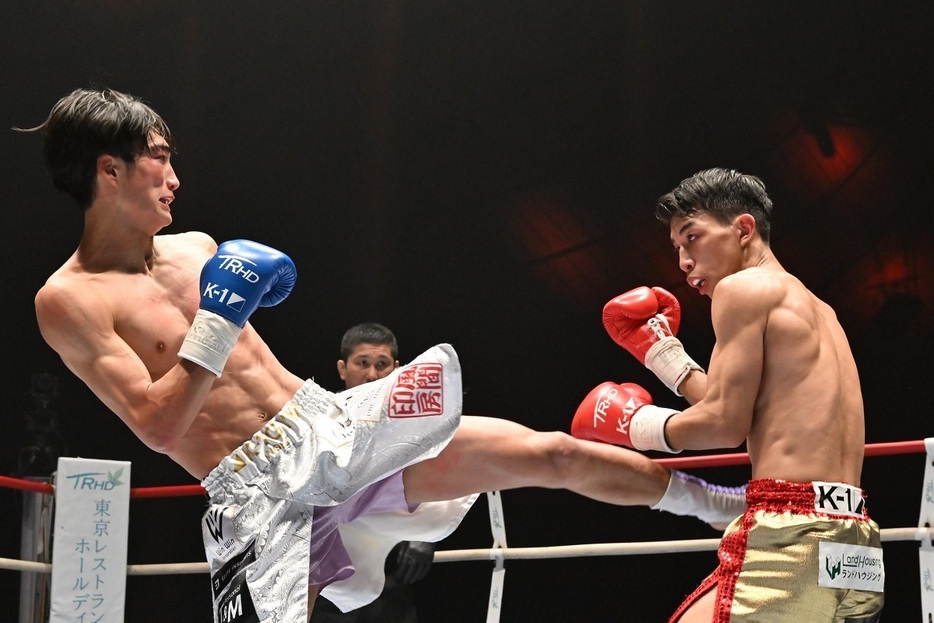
{"type": "Point", "coordinates": [722, 193]}
{"type": "Point", "coordinates": [368, 333]}
{"type": "Point", "coordinates": [87, 123]}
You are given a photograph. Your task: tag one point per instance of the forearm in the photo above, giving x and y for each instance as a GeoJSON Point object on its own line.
{"type": "Point", "coordinates": [694, 387]}
{"type": "Point", "coordinates": [700, 428]}
{"type": "Point", "coordinates": [170, 405]}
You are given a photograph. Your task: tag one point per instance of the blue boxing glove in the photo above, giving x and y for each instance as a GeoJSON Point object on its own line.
{"type": "Point", "coordinates": [242, 276]}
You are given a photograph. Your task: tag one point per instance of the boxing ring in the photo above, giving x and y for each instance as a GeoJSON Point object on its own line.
{"type": "Point", "coordinates": [499, 553]}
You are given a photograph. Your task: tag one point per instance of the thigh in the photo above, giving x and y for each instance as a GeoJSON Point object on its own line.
{"type": "Point", "coordinates": [485, 454]}
{"type": "Point", "coordinates": [701, 611]}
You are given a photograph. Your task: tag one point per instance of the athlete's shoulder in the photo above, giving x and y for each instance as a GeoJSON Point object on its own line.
{"type": "Point", "coordinates": [190, 249]}
{"type": "Point", "coordinates": [68, 280]}
{"type": "Point", "coordinates": [764, 285]}
{"type": "Point", "coordinates": [67, 303]}
{"type": "Point", "coordinates": [189, 239]}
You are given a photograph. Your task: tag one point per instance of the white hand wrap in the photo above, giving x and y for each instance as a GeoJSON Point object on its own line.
{"type": "Point", "coordinates": [647, 429]}
{"type": "Point", "coordinates": [689, 495]}
{"type": "Point", "coordinates": [209, 341]}
{"type": "Point", "coordinates": [667, 359]}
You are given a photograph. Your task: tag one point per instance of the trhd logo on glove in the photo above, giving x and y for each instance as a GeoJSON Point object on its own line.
{"type": "Point", "coordinates": [234, 264]}
{"type": "Point", "coordinates": [602, 407]}
{"type": "Point", "coordinates": [622, 414]}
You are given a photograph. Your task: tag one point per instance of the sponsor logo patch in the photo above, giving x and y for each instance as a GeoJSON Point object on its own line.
{"type": "Point", "coordinates": [418, 391]}
{"type": "Point", "coordinates": [851, 567]}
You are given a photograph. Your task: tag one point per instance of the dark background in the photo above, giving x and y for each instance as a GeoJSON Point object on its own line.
{"type": "Point", "coordinates": [483, 173]}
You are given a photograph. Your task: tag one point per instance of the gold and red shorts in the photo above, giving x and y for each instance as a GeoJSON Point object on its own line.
{"type": "Point", "coordinates": [800, 552]}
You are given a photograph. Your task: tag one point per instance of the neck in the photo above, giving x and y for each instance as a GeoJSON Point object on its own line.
{"type": "Point", "coordinates": [762, 257]}
{"type": "Point", "coordinates": [108, 245]}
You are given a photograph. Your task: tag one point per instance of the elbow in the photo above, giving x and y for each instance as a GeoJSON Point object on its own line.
{"type": "Point", "coordinates": [730, 432]}
{"type": "Point", "coordinates": [160, 442]}
{"type": "Point", "coordinates": [153, 432]}
{"type": "Point", "coordinates": [163, 446]}
{"type": "Point", "coordinates": [732, 439]}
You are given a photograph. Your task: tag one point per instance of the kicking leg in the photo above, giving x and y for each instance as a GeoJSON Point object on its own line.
{"type": "Point", "coordinates": [489, 454]}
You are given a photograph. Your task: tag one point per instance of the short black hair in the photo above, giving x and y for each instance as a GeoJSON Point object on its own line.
{"type": "Point", "coordinates": [87, 123]}
{"type": "Point", "coordinates": [368, 333]}
{"type": "Point", "coordinates": [722, 193]}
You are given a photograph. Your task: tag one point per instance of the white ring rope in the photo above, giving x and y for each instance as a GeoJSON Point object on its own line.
{"type": "Point", "coordinates": [517, 553]}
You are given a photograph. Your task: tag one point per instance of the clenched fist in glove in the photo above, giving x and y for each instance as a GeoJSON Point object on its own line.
{"type": "Point", "coordinates": [623, 415]}
{"type": "Point", "coordinates": [242, 276]}
{"type": "Point", "coordinates": [645, 321]}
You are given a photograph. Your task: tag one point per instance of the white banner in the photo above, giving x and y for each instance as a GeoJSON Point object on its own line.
{"type": "Point", "coordinates": [92, 516]}
{"type": "Point", "coordinates": [925, 523]}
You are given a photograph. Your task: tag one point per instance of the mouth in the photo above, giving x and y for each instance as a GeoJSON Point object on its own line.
{"type": "Point", "coordinates": [166, 201]}
{"type": "Point", "coordinates": [697, 283]}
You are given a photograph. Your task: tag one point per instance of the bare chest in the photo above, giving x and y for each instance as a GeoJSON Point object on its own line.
{"type": "Point", "coordinates": [152, 314]}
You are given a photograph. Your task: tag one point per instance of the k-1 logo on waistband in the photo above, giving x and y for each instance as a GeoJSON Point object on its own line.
{"type": "Point", "coordinates": [838, 499]}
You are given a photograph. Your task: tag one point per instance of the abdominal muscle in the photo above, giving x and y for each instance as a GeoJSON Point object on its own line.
{"type": "Point", "coordinates": [252, 389]}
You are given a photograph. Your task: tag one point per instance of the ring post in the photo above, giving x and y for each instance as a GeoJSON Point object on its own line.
{"type": "Point", "coordinates": [35, 546]}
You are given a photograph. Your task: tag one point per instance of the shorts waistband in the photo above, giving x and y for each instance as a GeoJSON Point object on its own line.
{"type": "Point", "coordinates": [288, 427]}
{"type": "Point", "coordinates": [823, 498]}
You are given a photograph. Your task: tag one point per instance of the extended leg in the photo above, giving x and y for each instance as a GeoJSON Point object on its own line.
{"type": "Point", "coordinates": [488, 454]}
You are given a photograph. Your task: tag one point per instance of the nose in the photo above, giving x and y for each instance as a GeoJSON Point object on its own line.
{"type": "Point", "coordinates": [685, 261]}
{"type": "Point", "coordinates": [371, 373]}
{"type": "Point", "coordinates": [172, 180]}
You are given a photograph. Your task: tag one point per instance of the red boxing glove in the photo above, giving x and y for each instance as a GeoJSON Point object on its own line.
{"type": "Point", "coordinates": [644, 321]}
{"type": "Point", "coordinates": [638, 319]}
{"type": "Point", "coordinates": [623, 415]}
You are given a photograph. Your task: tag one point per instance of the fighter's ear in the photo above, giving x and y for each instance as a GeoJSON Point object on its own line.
{"type": "Point", "coordinates": [746, 224]}
{"type": "Point", "coordinates": [342, 369]}
{"type": "Point", "coordinates": [107, 165]}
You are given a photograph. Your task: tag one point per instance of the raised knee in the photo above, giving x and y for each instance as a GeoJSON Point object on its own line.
{"type": "Point", "coordinates": [559, 452]}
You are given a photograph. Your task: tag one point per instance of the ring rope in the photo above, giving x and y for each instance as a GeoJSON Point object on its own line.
{"type": "Point", "coordinates": [684, 462]}
{"type": "Point", "coordinates": [742, 458]}
{"type": "Point", "coordinates": [487, 554]}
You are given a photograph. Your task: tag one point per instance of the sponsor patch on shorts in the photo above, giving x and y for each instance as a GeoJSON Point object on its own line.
{"type": "Point", "coordinates": [838, 499]}
{"type": "Point", "coordinates": [217, 531]}
{"type": "Point", "coordinates": [418, 391]}
{"type": "Point", "coordinates": [232, 600]}
{"type": "Point", "coordinates": [851, 567]}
